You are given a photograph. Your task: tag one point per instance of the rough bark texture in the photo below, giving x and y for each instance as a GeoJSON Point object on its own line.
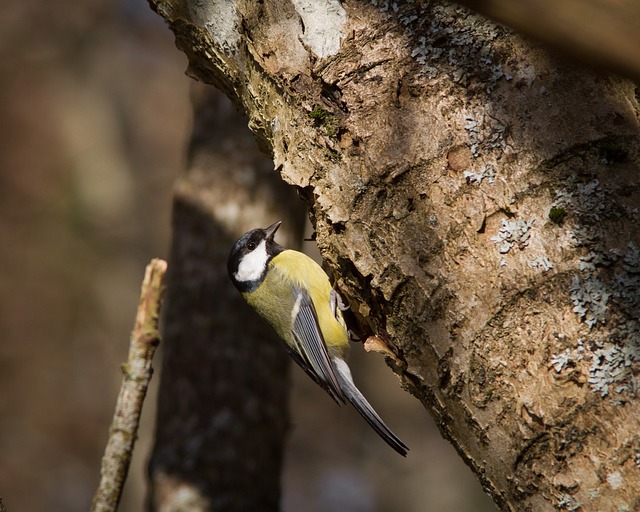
{"type": "Point", "coordinates": [477, 199]}
{"type": "Point", "coordinates": [223, 399]}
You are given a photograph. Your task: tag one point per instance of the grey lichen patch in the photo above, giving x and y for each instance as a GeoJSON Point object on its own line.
{"type": "Point", "coordinates": [611, 360]}
{"type": "Point", "coordinates": [612, 353]}
{"type": "Point", "coordinates": [450, 42]}
{"type": "Point", "coordinates": [607, 286]}
{"type": "Point", "coordinates": [565, 501]}
{"type": "Point", "coordinates": [514, 233]}
{"type": "Point", "coordinates": [588, 203]}
{"type": "Point", "coordinates": [568, 358]}
{"type": "Point", "coordinates": [591, 197]}
{"type": "Point", "coordinates": [592, 293]}
{"type": "Point", "coordinates": [457, 44]}
{"type": "Point", "coordinates": [631, 260]}
{"type": "Point", "coordinates": [613, 368]}
{"type": "Point", "coordinates": [541, 262]}
{"type": "Point", "coordinates": [487, 173]}
{"type": "Point", "coordinates": [595, 259]}
{"type": "Point", "coordinates": [589, 297]}
{"type": "Point", "coordinates": [627, 280]}
{"type": "Point", "coordinates": [486, 134]}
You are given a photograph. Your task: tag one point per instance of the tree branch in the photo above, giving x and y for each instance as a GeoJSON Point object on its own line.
{"type": "Point", "coordinates": [476, 199]}
{"type": "Point", "coordinates": [137, 372]}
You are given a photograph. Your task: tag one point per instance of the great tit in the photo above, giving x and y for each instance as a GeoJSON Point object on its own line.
{"type": "Point", "coordinates": [293, 294]}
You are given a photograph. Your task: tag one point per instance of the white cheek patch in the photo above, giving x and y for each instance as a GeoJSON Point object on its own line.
{"type": "Point", "coordinates": [253, 264]}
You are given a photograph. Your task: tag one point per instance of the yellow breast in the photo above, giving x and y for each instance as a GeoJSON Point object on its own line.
{"type": "Point", "coordinates": [295, 268]}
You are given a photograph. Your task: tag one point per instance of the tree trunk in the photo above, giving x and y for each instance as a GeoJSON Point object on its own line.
{"type": "Point", "coordinates": [223, 399]}
{"type": "Point", "coordinates": [477, 199]}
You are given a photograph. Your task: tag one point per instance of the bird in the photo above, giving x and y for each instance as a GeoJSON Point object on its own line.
{"type": "Point", "coordinates": [294, 295]}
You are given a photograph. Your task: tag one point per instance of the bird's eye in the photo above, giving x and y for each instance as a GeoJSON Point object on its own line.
{"type": "Point", "coordinates": [251, 246]}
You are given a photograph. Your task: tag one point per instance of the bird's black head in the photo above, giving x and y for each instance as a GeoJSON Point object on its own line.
{"type": "Point", "coordinates": [250, 255]}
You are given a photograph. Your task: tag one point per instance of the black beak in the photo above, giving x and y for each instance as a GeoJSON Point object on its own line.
{"type": "Point", "coordinates": [271, 230]}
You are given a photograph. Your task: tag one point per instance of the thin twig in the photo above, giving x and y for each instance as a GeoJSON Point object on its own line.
{"type": "Point", "coordinates": [137, 372]}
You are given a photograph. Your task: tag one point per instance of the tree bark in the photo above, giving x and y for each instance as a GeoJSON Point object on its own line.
{"type": "Point", "coordinates": [477, 199]}
{"type": "Point", "coordinates": [223, 399]}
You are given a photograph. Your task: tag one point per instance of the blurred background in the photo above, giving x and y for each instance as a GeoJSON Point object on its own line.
{"type": "Point", "coordinates": [96, 117]}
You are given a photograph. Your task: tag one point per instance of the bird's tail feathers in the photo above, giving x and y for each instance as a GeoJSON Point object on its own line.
{"type": "Point", "coordinates": [353, 394]}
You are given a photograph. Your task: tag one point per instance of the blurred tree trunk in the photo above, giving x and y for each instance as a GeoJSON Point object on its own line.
{"type": "Point", "coordinates": [602, 32]}
{"type": "Point", "coordinates": [477, 198]}
{"type": "Point", "coordinates": [223, 399]}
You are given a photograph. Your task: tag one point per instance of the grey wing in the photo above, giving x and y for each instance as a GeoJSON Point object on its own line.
{"type": "Point", "coordinates": [311, 348]}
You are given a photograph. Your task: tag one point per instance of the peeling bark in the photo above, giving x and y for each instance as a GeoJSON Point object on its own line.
{"type": "Point", "coordinates": [477, 199]}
